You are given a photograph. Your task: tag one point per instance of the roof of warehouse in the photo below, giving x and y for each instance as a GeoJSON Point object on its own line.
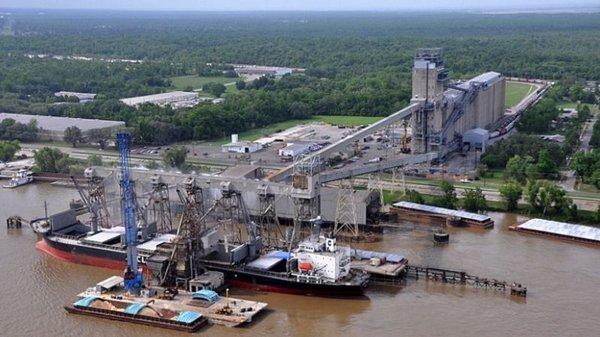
{"type": "Point", "coordinates": [562, 228]}
{"type": "Point", "coordinates": [53, 123]}
{"type": "Point", "coordinates": [146, 98]}
{"type": "Point", "coordinates": [444, 211]}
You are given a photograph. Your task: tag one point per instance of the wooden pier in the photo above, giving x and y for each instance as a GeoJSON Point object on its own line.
{"type": "Point", "coordinates": [452, 277]}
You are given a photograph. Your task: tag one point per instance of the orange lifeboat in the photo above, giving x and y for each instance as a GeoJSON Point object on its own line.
{"type": "Point", "coordinates": [305, 266]}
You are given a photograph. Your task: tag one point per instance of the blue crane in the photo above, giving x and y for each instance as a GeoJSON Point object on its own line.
{"type": "Point", "coordinates": [132, 276]}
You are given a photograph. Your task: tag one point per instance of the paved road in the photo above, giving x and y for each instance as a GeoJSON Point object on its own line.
{"type": "Point", "coordinates": [586, 135]}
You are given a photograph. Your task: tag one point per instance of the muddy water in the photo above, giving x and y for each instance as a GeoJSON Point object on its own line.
{"type": "Point", "coordinates": [563, 278]}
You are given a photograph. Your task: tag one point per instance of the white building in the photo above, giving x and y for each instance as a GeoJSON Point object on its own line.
{"type": "Point", "coordinates": [237, 146]}
{"type": "Point", "coordinates": [163, 99]}
{"type": "Point", "coordinates": [256, 70]}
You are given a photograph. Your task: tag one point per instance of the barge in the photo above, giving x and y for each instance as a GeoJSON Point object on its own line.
{"type": "Point", "coordinates": [560, 230]}
{"type": "Point", "coordinates": [163, 307]}
{"type": "Point", "coordinates": [431, 215]}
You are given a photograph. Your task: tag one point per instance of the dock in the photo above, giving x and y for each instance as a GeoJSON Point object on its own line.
{"type": "Point", "coordinates": [379, 265]}
{"type": "Point", "coordinates": [560, 230]}
{"type": "Point", "coordinates": [432, 215]}
{"type": "Point", "coordinates": [461, 277]}
{"type": "Point", "coordinates": [450, 277]}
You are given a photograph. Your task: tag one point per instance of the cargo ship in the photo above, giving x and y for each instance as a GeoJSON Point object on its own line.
{"type": "Point", "coordinates": [317, 267]}
{"type": "Point", "coordinates": [65, 237]}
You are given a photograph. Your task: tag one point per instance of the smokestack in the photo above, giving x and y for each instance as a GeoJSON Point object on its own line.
{"type": "Point", "coordinates": [234, 138]}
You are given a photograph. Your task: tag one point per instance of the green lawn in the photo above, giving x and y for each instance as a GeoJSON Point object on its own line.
{"type": "Point", "coordinates": [573, 105]}
{"type": "Point", "coordinates": [196, 82]}
{"type": "Point", "coordinates": [515, 92]}
{"type": "Point", "coordinates": [346, 120]}
{"type": "Point", "coordinates": [255, 134]}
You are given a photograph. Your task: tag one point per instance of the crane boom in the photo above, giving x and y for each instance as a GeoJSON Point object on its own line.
{"type": "Point", "coordinates": [132, 276]}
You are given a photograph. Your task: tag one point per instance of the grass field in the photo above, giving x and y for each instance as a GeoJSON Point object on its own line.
{"type": "Point", "coordinates": [346, 120]}
{"type": "Point", "coordinates": [196, 82]}
{"type": "Point", "coordinates": [573, 105]}
{"type": "Point", "coordinates": [254, 134]}
{"type": "Point", "coordinates": [515, 92]}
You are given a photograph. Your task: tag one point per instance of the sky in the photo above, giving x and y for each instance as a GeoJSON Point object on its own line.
{"type": "Point", "coordinates": [261, 5]}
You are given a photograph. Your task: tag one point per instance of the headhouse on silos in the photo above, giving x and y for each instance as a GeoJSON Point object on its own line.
{"type": "Point", "coordinates": [450, 109]}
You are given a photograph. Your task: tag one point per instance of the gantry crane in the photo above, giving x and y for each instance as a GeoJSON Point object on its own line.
{"type": "Point", "coordinates": [133, 279]}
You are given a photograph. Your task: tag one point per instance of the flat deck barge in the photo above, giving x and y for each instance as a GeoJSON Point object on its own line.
{"type": "Point", "coordinates": [172, 323]}
{"type": "Point", "coordinates": [431, 215]}
{"type": "Point", "coordinates": [560, 230]}
{"type": "Point", "coordinates": [180, 312]}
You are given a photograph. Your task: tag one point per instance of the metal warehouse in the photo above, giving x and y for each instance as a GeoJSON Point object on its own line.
{"type": "Point", "coordinates": [53, 128]}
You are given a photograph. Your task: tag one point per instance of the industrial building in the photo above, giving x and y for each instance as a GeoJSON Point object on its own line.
{"type": "Point", "coordinates": [444, 118]}
{"type": "Point", "coordinates": [450, 110]}
{"type": "Point", "coordinates": [255, 70]}
{"type": "Point", "coordinates": [53, 128]}
{"type": "Point", "coordinates": [237, 146]}
{"type": "Point", "coordinates": [166, 98]}
{"type": "Point", "coordinates": [83, 97]}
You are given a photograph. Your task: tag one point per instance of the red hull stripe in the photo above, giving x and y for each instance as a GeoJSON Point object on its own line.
{"type": "Point", "coordinates": [79, 258]}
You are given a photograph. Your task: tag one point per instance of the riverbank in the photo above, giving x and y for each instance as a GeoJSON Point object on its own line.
{"type": "Point", "coordinates": [584, 217]}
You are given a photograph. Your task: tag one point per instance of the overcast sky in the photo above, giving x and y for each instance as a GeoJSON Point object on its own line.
{"type": "Point", "coordinates": [212, 5]}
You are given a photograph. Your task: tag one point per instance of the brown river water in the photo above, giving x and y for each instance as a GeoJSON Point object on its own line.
{"type": "Point", "coordinates": [563, 280]}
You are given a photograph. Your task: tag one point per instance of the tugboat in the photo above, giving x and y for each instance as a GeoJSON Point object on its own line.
{"type": "Point", "coordinates": [21, 177]}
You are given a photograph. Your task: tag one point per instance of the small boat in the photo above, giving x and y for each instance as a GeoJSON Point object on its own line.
{"type": "Point", "coordinates": [21, 177]}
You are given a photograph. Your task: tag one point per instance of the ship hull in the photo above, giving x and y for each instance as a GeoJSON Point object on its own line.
{"type": "Point", "coordinates": [257, 281]}
{"type": "Point", "coordinates": [104, 258]}
{"type": "Point", "coordinates": [80, 254]}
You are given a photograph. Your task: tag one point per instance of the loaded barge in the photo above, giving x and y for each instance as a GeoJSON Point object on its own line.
{"type": "Point", "coordinates": [560, 230]}
{"type": "Point", "coordinates": [163, 307]}
{"type": "Point", "coordinates": [431, 215]}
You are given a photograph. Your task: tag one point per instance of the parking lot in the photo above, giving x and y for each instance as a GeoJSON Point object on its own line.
{"type": "Point", "coordinates": [380, 146]}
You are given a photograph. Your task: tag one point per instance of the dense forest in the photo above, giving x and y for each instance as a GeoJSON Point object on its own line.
{"type": "Point", "coordinates": [357, 63]}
